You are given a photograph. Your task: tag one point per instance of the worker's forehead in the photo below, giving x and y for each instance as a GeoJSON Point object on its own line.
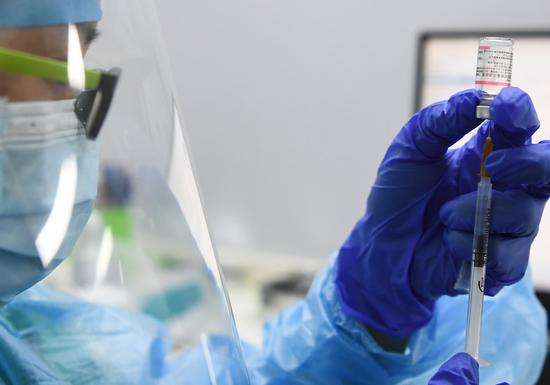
{"type": "Point", "coordinates": [38, 13]}
{"type": "Point", "coordinates": [45, 41]}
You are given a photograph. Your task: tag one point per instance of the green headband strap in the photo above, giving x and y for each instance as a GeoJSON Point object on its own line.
{"type": "Point", "coordinates": [23, 63]}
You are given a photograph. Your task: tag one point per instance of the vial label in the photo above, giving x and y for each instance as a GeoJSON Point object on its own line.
{"type": "Point", "coordinates": [494, 66]}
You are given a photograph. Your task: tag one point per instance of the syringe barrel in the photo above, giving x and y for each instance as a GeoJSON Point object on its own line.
{"type": "Point", "coordinates": [482, 222]}
{"type": "Point", "coordinates": [475, 311]}
{"type": "Point", "coordinates": [479, 262]}
{"type": "Point", "coordinates": [494, 70]}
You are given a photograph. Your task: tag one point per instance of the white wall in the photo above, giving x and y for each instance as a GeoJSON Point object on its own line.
{"type": "Point", "coordinates": [290, 104]}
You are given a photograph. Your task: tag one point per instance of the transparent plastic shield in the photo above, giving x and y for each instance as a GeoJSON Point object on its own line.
{"type": "Point", "coordinates": [108, 272]}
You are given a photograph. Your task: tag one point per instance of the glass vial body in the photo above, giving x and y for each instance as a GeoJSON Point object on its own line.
{"type": "Point", "coordinates": [494, 70]}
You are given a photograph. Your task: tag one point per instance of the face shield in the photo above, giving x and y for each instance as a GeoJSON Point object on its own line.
{"type": "Point", "coordinates": [108, 273]}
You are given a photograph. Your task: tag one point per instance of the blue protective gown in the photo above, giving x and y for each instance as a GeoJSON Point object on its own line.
{"type": "Point", "coordinates": [311, 343]}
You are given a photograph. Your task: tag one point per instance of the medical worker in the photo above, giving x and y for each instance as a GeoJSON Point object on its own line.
{"type": "Point", "coordinates": [82, 86]}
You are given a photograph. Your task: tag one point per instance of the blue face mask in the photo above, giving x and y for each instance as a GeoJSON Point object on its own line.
{"type": "Point", "coordinates": [48, 184]}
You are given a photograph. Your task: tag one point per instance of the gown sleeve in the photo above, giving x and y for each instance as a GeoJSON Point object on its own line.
{"type": "Point", "coordinates": [315, 343]}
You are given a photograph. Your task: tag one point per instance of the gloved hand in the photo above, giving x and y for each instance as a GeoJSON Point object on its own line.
{"type": "Point", "coordinates": [461, 369]}
{"type": "Point", "coordinates": [408, 248]}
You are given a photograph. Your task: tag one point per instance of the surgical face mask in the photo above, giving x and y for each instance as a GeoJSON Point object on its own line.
{"type": "Point", "coordinates": [48, 184]}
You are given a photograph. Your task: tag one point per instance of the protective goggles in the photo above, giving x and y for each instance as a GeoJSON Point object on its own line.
{"type": "Point", "coordinates": [91, 105]}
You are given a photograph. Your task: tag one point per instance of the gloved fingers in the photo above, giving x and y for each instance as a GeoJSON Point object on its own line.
{"type": "Point", "coordinates": [514, 118]}
{"type": "Point", "coordinates": [460, 369]}
{"type": "Point", "coordinates": [507, 260]}
{"type": "Point", "coordinates": [514, 213]}
{"type": "Point", "coordinates": [514, 122]}
{"type": "Point", "coordinates": [438, 126]}
{"type": "Point", "coordinates": [527, 165]}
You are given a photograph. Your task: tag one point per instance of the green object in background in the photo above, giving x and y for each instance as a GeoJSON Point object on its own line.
{"type": "Point", "coordinates": [174, 302]}
{"type": "Point", "coordinates": [118, 219]}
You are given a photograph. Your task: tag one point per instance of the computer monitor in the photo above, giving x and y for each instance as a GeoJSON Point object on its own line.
{"type": "Point", "coordinates": [447, 64]}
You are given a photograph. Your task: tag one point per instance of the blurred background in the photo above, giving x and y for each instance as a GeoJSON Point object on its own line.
{"type": "Point", "coordinates": [289, 106]}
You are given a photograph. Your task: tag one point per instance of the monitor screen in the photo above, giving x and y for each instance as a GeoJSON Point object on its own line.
{"type": "Point", "coordinates": [447, 64]}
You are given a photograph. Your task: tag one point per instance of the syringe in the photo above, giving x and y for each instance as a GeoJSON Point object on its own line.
{"type": "Point", "coordinates": [479, 257]}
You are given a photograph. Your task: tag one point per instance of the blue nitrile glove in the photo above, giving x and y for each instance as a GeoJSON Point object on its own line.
{"type": "Point", "coordinates": [408, 248]}
{"type": "Point", "coordinates": [525, 168]}
{"type": "Point", "coordinates": [461, 369]}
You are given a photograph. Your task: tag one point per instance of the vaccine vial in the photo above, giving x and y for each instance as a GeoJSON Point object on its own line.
{"type": "Point", "coordinates": [494, 70]}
